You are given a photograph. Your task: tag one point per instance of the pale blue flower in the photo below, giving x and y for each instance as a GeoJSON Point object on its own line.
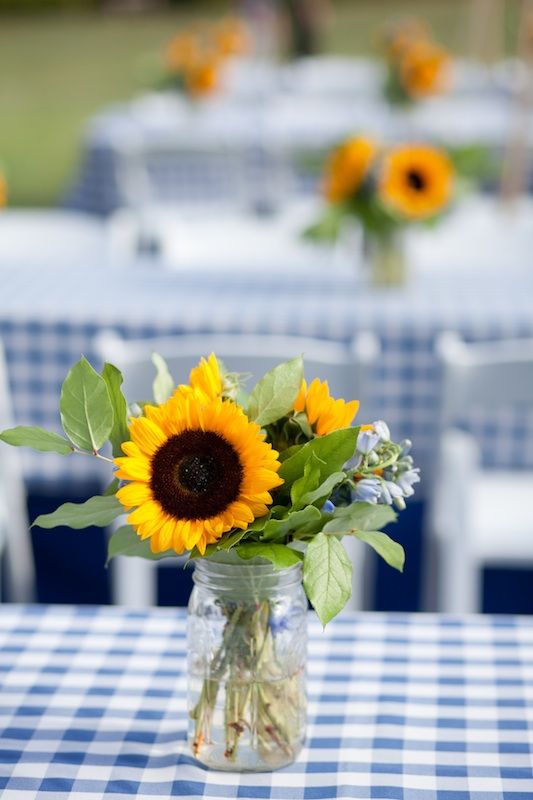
{"type": "Point", "coordinates": [366, 441]}
{"type": "Point", "coordinates": [367, 490]}
{"type": "Point", "coordinates": [406, 480]}
{"type": "Point", "coordinates": [328, 507]}
{"type": "Point", "coordinates": [382, 430]}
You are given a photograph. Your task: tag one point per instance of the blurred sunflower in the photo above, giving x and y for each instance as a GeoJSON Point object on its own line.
{"type": "Point", "coordinates": [416, 181]}
{"type": "Point", "coordinates": [202, 76]}
{"type": "Point", "coordinates": [347, 167]}
{"type": "Point", "coordinates": [400, 36]}
{"type": "Point", "coordinates": [425, 69]}
{"type": "Point", "coordinates": [325, 414]}
{"type": "Point", "coordinates": [231, 38]}
{"type": "Point", "coordinates": [182, 51]}
{"type": "Point", "coordinates": [196, 470]}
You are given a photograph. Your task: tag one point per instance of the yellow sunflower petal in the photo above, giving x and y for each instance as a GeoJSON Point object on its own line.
{"type": "Point", "coordinates": [134, 494]}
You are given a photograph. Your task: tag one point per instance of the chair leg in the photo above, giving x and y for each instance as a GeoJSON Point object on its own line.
{"type": "Point", "coordinates": [134, 582]}
{"type": "Point", "coordinates": [460, 590]}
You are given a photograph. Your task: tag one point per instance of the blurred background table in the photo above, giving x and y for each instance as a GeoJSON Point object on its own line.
{"type": "Point", "coordinates": [403, 706]}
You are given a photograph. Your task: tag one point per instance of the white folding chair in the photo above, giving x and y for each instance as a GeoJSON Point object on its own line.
{"type": "Point", "coordinates": [346, 367]}
{"type": "Point", "coordinates": [181, 171]}
{"type": "Point", "coordinates": [478, 517]}
{"type": "Point", "coordinates": [15, 540]}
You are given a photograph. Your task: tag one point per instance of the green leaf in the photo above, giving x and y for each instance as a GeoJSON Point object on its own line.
{"type": "Point", "coordinates": [86, 408]}
{"type": "Point", "coordinates": [359, 517]}
{"type": "Point", "coordinates": [125, 542]}
{"type": "Point", "coordinates": [327, 576]}
{"type": "Point", "coordinates": [119, 432]}
{"type": "Point", "coordinates": [99, 511]}
{"type": "Point", "coordinates": [333, 451]}
{"type": "Point", "coordinates": [111, 488]}
{"type": "Point", "coordinates": [279, 555]}
{"type": "Point", "coordinates": [37, 438]}
{"type": "Point", "coordinates": [309, 518]}
{"type": "Point", "coordinates": [163, 384]}
{"type": "Point", "coordinates": [387, 548]}
{"type": "Point", "coordinates": [307, 482]}
{"type": "Point", "coordinates": [321, 493]}
{"type": "Point", "coordinates": [273, 397]}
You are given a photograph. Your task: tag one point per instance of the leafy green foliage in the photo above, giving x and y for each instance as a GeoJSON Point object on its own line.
{"type": "Point", "coordinates": [279, 555]}
{"type": "Point", "coordinates": [292, 523]}
{"type": "Point", "coordinates": [359, 517]}
{"type": "Point", "coordinates": [327, 229]}
{"type": "Point", "coordinates": [274, 395]}
{"type": "Point", "coordinates": [332, 452]}
{"type": "Point", "coordinates": [387, 548]}
{"type": "Point", "coordinates": [125, 542]}
{"type": "Point", "coordinates": [119, 432]}
{"type": "Point", "coordinates": [98, 511]}
{"type": "Point", "coordinates": [112, 488]}
{"type": "Point", "coordinates": [37, 439]}
{"type": "Point", "coordinates": [163, 384]}
{"type": "Point", "coordinates": [86, 408]}
{"type": "Point", "coordinates": [327, 576]}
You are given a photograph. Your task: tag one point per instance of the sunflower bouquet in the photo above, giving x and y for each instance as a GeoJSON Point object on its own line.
{"type": "Point", "coordinates": [417, 67]}
{"type": "Point", "coordinates": [386, 189]}
{"type": "Point", "coordinates": [193, 60]}
{"type": "Point", "coordinates": [274, 477]}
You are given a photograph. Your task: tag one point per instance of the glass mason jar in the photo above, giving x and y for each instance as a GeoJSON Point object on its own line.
{"type": "Point", "coordinates": [386, 258]}
{"type": "Point", "coordinates": [247, 652]}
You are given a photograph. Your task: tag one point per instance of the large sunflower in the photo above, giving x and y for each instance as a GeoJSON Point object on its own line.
{"type": "Point", "coordinates": [196, 469]}
{"type": "Point", "coordinates": [425, 69]}
{"type": "Point", "coordinates": [416, 181]}
{"type": "Point", "coordinates": [325, 414]}
{"type": "Point", "coordinates": [347, 167]}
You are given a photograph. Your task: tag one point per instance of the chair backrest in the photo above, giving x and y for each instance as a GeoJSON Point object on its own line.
{"type": "Point", "coordinates": [14, 524]}
{"type": "Point", "coordinates": [346, 367]}
{"type": "Point", "coordinates": [182, 171]}
{"type": "Point", "coordinates": [484, 375]}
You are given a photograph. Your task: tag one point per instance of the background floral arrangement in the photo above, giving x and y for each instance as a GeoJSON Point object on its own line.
{"type": "Point", "coordinates": [385, 188]}
{"type": "Point", "coordinates": [194, 58]}
{"type": "Point", "coordinates": [417, 67]}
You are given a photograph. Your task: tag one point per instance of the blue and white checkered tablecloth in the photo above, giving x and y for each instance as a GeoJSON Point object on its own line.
{"type": "Point", "coordinates": [401, 707]}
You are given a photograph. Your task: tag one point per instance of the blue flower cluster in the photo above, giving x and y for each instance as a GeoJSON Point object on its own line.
{"type": "Point", "coordinates": [399, 475]}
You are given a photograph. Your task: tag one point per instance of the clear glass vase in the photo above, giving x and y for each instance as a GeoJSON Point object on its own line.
{"type": "Point", "coordinates": [247, 649]}
{"type": "Point", "coordinates": [385, 256]}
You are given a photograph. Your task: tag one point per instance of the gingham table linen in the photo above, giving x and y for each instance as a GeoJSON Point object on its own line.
{"type": "Point", "coordinates": [472, 275]}
{"type": "Point", "coordinates": [408, 707]}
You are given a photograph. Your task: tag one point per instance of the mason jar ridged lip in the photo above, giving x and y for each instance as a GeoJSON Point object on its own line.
{"type": "Point", "coordinates": [236, 574]}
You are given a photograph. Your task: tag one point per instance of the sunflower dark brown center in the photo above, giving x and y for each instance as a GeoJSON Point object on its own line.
{"type": "Point", "coordinates": [416, 180]}
{"type": "Point", "coordinates": [196, 475]}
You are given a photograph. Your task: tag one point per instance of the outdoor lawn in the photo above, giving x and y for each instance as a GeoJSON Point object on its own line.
{"type": "Point", "coordinates": [58, 70]}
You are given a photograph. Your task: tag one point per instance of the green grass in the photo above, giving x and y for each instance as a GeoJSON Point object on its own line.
{"type": "Point", "coordinates": [56, 71]}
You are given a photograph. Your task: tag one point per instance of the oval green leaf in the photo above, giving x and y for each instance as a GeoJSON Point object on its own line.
{"type": "Point", "coordinates": [327, 576]}
{"type": "Point", "coordinates": [98, 511]}
{"type": "Point", "coordinates": [274, 395]}
{"type": "Point", "coordinates": [86, 408]}
{"type": "Point", "coordinates": [37, 439]}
